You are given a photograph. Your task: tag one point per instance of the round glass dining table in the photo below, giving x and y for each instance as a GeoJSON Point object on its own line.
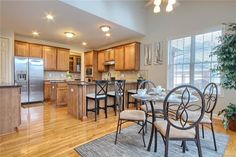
{"type": "Point", "coordinates": [160, 98]}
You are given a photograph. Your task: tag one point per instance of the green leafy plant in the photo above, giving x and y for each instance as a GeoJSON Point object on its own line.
{"type": "Point", "coordinates": [226, 56]}
{"type": "Point", "coordinates": [229, 114]}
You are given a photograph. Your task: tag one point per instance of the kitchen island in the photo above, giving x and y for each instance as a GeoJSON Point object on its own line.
{"type": "Point", "coordinates": [10, 108]}
{"type": "Point", "coordinates": [77, 92]}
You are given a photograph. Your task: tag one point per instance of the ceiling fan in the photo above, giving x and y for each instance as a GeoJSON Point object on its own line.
{"type": "Point", "coordinates": [158, 4]}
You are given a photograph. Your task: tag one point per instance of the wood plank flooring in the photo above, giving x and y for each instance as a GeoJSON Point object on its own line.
{"type": "Point", "coordinates": [48, 131]}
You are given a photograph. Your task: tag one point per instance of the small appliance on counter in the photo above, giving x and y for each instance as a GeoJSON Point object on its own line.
{"type": "Point", "coordinates": [29, 74]}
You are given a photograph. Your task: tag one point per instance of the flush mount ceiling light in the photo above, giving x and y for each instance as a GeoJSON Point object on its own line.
{"type": "Point", "coordinates": [108, 34]}
{"type": "Point", "coordinates": [169, 5]}
{"type": "Point", "coordinates": [105, 28]}
{"type": "Point", "coordinates": [69, 34]}
{"type": "Point", "coordinates": [84, 43]}
{"type": "Point", "coordinates": [35, 33]}
{"type": "Point", "coordinates": [49, 16]}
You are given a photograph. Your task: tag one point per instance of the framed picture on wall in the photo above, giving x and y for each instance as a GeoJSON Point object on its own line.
{"type": "Point", "coordinates": [147, 54]}
{"type": "Point", "coordinates": [158, 52]}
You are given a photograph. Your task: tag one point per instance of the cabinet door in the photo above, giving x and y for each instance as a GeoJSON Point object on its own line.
{"type": "Point", "coordinates": [119, 58]}
{"type": "Point", "coordinates": [21, 49]}
{"type": "Point", "coordinates": [35, 50]}
{"type": "Point", "coordinates": [47, 91]}
{"type": "Point", "coordinates": [106, 56]}
{"type": "Point", "coordinates": [132, 57]}
{"type": "Point", "coordinates": [112, 55]}
{"type": "Point", "coordinates": [63, 59]}
{"type": "Point", "coordinates": [101, 60]}
{"type": "Point", "coordinates": [50, 58]}
{"type": "Point", "coordinates": [88, 56]}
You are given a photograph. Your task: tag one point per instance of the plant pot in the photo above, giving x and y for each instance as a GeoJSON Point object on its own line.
{"type": "Point", "coordinates": [232, 124]}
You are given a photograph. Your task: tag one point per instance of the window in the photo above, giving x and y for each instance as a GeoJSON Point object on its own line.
{"type": "Point", "coordinates": [190, 61]}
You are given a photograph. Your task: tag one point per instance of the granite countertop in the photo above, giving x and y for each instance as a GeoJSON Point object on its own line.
{"type": "Point", "coordinates": [9, 85]}
{"type": "Point", "coordinates": [93, 83]}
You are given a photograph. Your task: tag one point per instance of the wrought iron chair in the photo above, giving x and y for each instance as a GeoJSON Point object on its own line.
{"type": "Point", "coordinates": [175, 125]}
{"type": "Point", "coordinates": [100, 94]}
{"type": "Point", "coordinates": [127, 115]}
{"type": "Point", "coordinates": [133, 91]}
{"type": "Point", "coordinates": [210, 94]}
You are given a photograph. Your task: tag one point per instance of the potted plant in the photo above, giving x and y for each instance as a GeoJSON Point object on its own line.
{"type": "Point", "coordinates": [229, 120]}
{"type": "Point", "coordinates": [226, 56]}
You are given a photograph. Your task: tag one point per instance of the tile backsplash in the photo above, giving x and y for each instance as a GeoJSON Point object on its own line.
{"type": "Point", "coordinates": [127, 75]}
{"type": "Point", "coordinates": [53, 75]}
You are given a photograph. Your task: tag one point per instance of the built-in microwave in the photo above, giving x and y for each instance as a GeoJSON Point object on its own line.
{"type": "Point", "coordinates": [89, 71]}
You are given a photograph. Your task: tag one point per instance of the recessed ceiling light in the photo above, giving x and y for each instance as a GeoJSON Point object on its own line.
{"type": "Point", "coordinates": [49, 16]}
{"type": "Point", "coordinates": [84, 43]}
{"type": "Point", "coordinates": [35, 33]}
{"type": "Point", "coordinates": [108, 34]}
{"type": "Point", "coordinates": [69, 34]}
{"type": "Point", "coordinates": [105, 28]}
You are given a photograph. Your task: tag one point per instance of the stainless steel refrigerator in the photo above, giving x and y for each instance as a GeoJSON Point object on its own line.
{"type": "Point", "coordinates": [29, 74]}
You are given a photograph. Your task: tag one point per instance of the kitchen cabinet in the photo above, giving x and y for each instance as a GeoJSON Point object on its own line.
{"type": "Point", "coordinates": [63, 59]}
{"type": "Point", "coordinates": [50, 58]}
{"type": "Point", "coordinates": [132, 56]}
{"type": "Point", "coordinates": [59, 93]}
{"type": "Point", "coordinates": [101, 61]}
{"type": "Point", "coordinates": [119, 58]}
{"type": "Point", "coordinates": [21, 49]}
{"type": "Point", "coordinates": [74, 63]}
{"type": "Point", "coordinates": [109, 55]}
{"type": "Point", "coordinates": [88, 58]}
{"type": "Point", "coordinates": [47, 90]}
{"type": "Point", "coordinates": [35, 50]}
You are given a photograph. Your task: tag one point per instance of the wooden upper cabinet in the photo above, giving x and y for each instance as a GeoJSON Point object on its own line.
{"type": "Point", "coordinates": [109, 55]}
{"type": "Point", "coordinates": [35, 50]}
{"type": "Point", "coordinates": [21, 49]}
{"type": "Point", "coordinates": [63, 59]}
{"type": "Point", "coordinates": [132, 56]}
{"type": "Point", "coordinates": [50, 58]}
{"type": "Point", "coordinates": [101, 60]}
{"type": "Point", "coordinates": [119, 58]}
{"type": "Point", "coordinates": [88, 58]}
{"type": "Point", "coordinates": [106, 55]}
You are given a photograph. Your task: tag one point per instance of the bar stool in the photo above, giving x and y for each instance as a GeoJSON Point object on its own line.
{"type": "Point", "coordinates": [131, 92]}
{"type": "Point", "coordinates": [100, 94]}
{"type": "Point", "coordinates": [113, 95]}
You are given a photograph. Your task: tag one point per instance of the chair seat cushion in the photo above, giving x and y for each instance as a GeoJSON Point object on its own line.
{"type": "Point", "coordinates": [193, 117]}
{"type": "Point", "coordinates": [174, 132]}
{"type": "Point", "coordinates": [157, 107]}
{"type": "Point", "coordinates": [133, 91]}
{"type": "Point", "coordinates": [112, 93]}
{"type": "Point", "coordinates": [136, 115]}
{"type": "Point", "coordinates": [92, 95]}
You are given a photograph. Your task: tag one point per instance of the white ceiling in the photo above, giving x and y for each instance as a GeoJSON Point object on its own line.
{"type": "Point", "coordinates": [24, 16]}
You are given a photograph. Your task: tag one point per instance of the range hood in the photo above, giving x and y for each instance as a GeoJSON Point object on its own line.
{"type": "Point", "coordinates": [109, 63]}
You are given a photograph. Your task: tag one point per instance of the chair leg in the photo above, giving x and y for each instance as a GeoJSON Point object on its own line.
{"type": "Point", "coordinates": [184, 146]}
{"type": "Point", "coordinates": [96, 110]}
{"type": "Point", "coordinates": [87, 107]}
{"type": "Point", "coordinates": [198, 143]}
{"type": "Point", "coordinates": [120, 126]}
{"type": "Point", "coordinates": [115, 105]}
{"type": "Point", "coordinates": [98, 106]}
{"type": "Point", "coordinates": [203, 131]}
{"type": "Point", "coordinates": [106, 108]}
{"type": "Point", "coordinates": [155, 147]}
{"type": "Point", "coordinates": [117, 129]}
{"type": "Point", "coordinates": [213, 134]}
{"type": "Point", "coordinates": [143, 135]}
{"type": "Point", "coordinates": [166, 147]}
{"type": "Point", "coordinates": [128, 100]}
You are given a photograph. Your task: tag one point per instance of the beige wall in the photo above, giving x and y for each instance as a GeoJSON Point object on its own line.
{"type": "Point", "coordinates": [188, 18]}
{"type": "Point", "coordinates": [6, 57]}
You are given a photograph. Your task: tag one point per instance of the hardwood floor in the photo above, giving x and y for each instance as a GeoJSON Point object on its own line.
{"type": "Point", "coordinates": [47, 131]}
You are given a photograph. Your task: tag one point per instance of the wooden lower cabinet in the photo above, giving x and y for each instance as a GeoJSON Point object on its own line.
{"type": "Point", "coordinates": [59, 93]}
{"type": "Point", "coordinates": [10, 109]}
{"type": "Point", "coordinates": [47, 90]}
